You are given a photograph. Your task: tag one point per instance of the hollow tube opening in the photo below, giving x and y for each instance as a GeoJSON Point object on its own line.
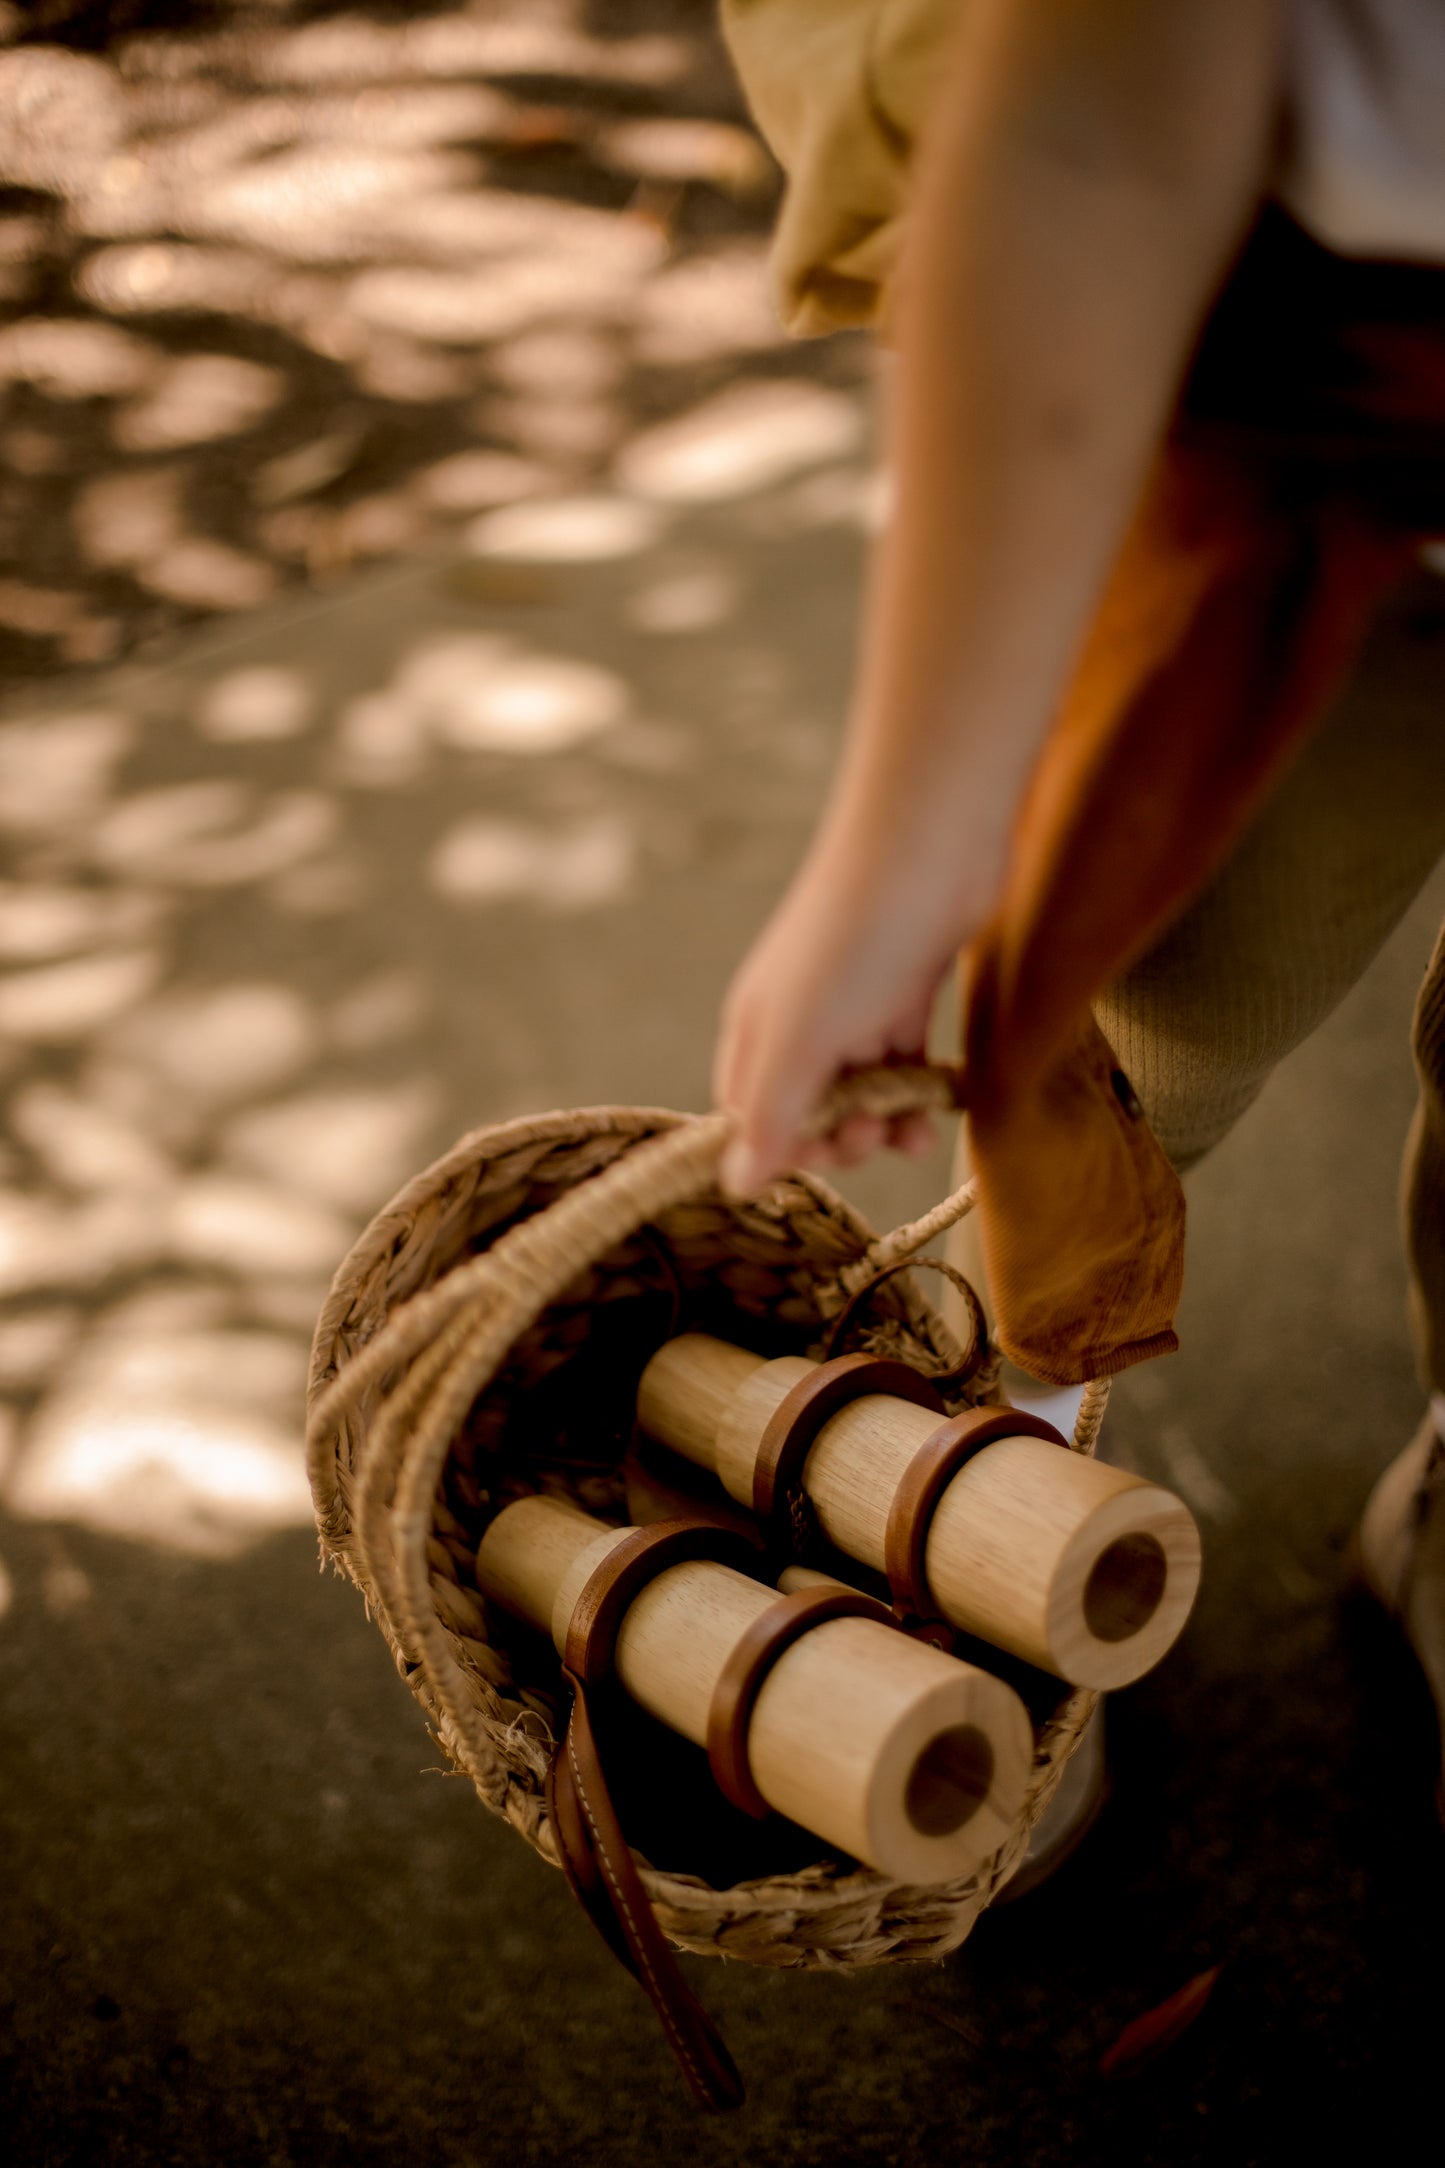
{"type": "Point", "coordinates": [950, 1781]}
{"type": "Point", "coordinates": [1125, 1587]}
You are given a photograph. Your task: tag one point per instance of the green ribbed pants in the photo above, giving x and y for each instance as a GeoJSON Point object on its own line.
{"type": "Point", "coordinates": [1284, 930]}
{"type": "Point", "coordinates": [1293, 919]}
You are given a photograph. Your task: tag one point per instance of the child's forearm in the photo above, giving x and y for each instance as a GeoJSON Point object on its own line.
{"type": "Point", "coordinates": [1090, 168]}
{"type": "Point", "coordinates": [1091, 165]}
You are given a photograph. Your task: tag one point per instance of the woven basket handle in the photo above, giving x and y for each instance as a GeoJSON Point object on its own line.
{"type": "Point", "coordinates": [888, 1090]}
{"type": "Point", "coordinates": [531, 1264]}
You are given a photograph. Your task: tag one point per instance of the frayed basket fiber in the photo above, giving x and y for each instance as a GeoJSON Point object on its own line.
{"type": "Point", "coordinates": [484, 1339]}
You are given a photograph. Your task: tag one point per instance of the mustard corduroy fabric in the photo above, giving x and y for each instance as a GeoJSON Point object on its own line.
{"type": "Point", "coordinates": [839, 89]}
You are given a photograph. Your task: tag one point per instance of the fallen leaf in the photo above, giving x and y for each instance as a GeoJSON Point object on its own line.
{"type": "Point", "coordinates": [958, 2025]}
{"type": "Point", "coordinates": [1159, 2028]}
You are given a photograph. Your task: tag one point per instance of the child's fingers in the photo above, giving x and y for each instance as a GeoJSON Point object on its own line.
{"type": "Point", "coordinates": [913, 1134]}
{"type": "Point", "coordinates": [733, 1054]}
{"type": "Point", "coordinates": [855, 1140]}
{"type": "Point", "coordinates": [774, 1106]}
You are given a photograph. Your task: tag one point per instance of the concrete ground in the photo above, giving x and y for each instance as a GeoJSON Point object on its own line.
{"type": "Point", "coordinates": [244, 1918]}
{"type": "Point", "coordinates": [291, 901]}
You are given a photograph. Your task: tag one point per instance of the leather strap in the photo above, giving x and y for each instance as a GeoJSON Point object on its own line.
{"type": "Point", "coordinates": [741, 1678]}
{"type": "Point", "coordinates": [946, 1381]}
{"type": "Point", "coordinates": [923, 1483]}
{"type": "Point", "coordinates": [779, 1500]}
{"type": "Point", "coordinates": [600, 1869]}
{"type": "Point", "coordinates": [603, 1878]}
{"type": "Point", "coordinates": [591, 1644]}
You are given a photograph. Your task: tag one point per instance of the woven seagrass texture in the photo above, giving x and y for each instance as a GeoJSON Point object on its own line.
{"type": "Point", "coordinates": [483, 1339]}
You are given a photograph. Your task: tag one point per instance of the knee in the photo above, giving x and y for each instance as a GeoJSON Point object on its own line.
{"type": "Point", "coordinates": [1192, 1086]}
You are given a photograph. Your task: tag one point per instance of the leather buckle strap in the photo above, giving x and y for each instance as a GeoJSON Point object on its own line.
{"type": "Point", "coordinates": [595, 1858]}
{"type": "Point", "coordinates": [923, 1483]}
{"type": "Point", "coordinates": [741, 1679]}
{"type": "Point", "coordinates": [779, 1500]}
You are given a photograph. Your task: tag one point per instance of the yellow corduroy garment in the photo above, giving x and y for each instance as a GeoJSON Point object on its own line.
{"type": "Point", "coordinates": [839, 89]}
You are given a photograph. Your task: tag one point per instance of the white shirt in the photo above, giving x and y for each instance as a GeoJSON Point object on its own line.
{"type": "Point", "coordinates": [1364, 169]}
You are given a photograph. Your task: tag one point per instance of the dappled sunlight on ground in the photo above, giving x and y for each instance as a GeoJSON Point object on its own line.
{"type": "Point", "coordinates": [289, 906]}
{"type": "Point", "coordinates": [566, 530]}
{"type": "Point", "coordinates": [294, 906]}
{"type": "Point", "coordinates": [169, 1429]}
{"type": "Point", "coordinates": [288, 296]}
{"type": "Point", "coordinates": [741, 441]}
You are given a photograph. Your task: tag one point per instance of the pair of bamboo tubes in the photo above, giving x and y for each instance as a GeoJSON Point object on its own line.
{"type": "Point", "coordinates": [883, 1747]}
{"type": "Point", "coordinates": [1082, 1569]}
{"type": "Point", "coordinates": [907, 1758]}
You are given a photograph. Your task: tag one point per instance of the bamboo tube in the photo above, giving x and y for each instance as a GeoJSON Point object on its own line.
{"type": "Point", "coordinates": [886, 1749]}
{"type": "Point", "coordinates": [1085, 1570]}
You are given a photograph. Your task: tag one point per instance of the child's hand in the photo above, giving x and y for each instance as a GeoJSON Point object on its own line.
{"type": "Point", "coordinates": [843, 975]}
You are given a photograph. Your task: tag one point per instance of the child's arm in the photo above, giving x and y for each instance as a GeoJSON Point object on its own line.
{"type": "Point", "coordinates": [1089, 170]}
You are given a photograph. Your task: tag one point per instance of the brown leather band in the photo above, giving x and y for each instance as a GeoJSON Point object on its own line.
{"type": "Point", "coordinates": [923, 1483]}
{"type": "Point", "coordinates": [779, 1501]}
{"type": "Point", "coordinates": [741, 1679]}
{"type": "Point", "coordinates": [639, 1558]}
{"type": "Point", "coordinates": [595, 1858]}
{"type": "Point", "coordinates": [945, 1381]}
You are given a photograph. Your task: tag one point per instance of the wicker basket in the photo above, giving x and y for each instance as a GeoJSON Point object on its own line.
{"type": "Point", "coordinates": [482, 1340]}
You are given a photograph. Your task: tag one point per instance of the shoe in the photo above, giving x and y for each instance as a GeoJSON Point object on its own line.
{"type": "Point", "coordinates": [1401, 1550]}
{"type": "Point", "coordinates": [1082, 1795]}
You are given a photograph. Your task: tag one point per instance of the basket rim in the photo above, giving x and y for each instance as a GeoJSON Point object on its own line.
{"type": "Point", "coordinates": [401, 1207]}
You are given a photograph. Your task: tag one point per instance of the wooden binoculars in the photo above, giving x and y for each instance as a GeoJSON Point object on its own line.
{"type": "Point", "coordinates": [812, 1703]}
{"type": "Point", "coordinates": [983, 1520]}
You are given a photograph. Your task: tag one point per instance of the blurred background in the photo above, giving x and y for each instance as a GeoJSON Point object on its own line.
{"type": "Point", "coordinates": [427, 588]}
